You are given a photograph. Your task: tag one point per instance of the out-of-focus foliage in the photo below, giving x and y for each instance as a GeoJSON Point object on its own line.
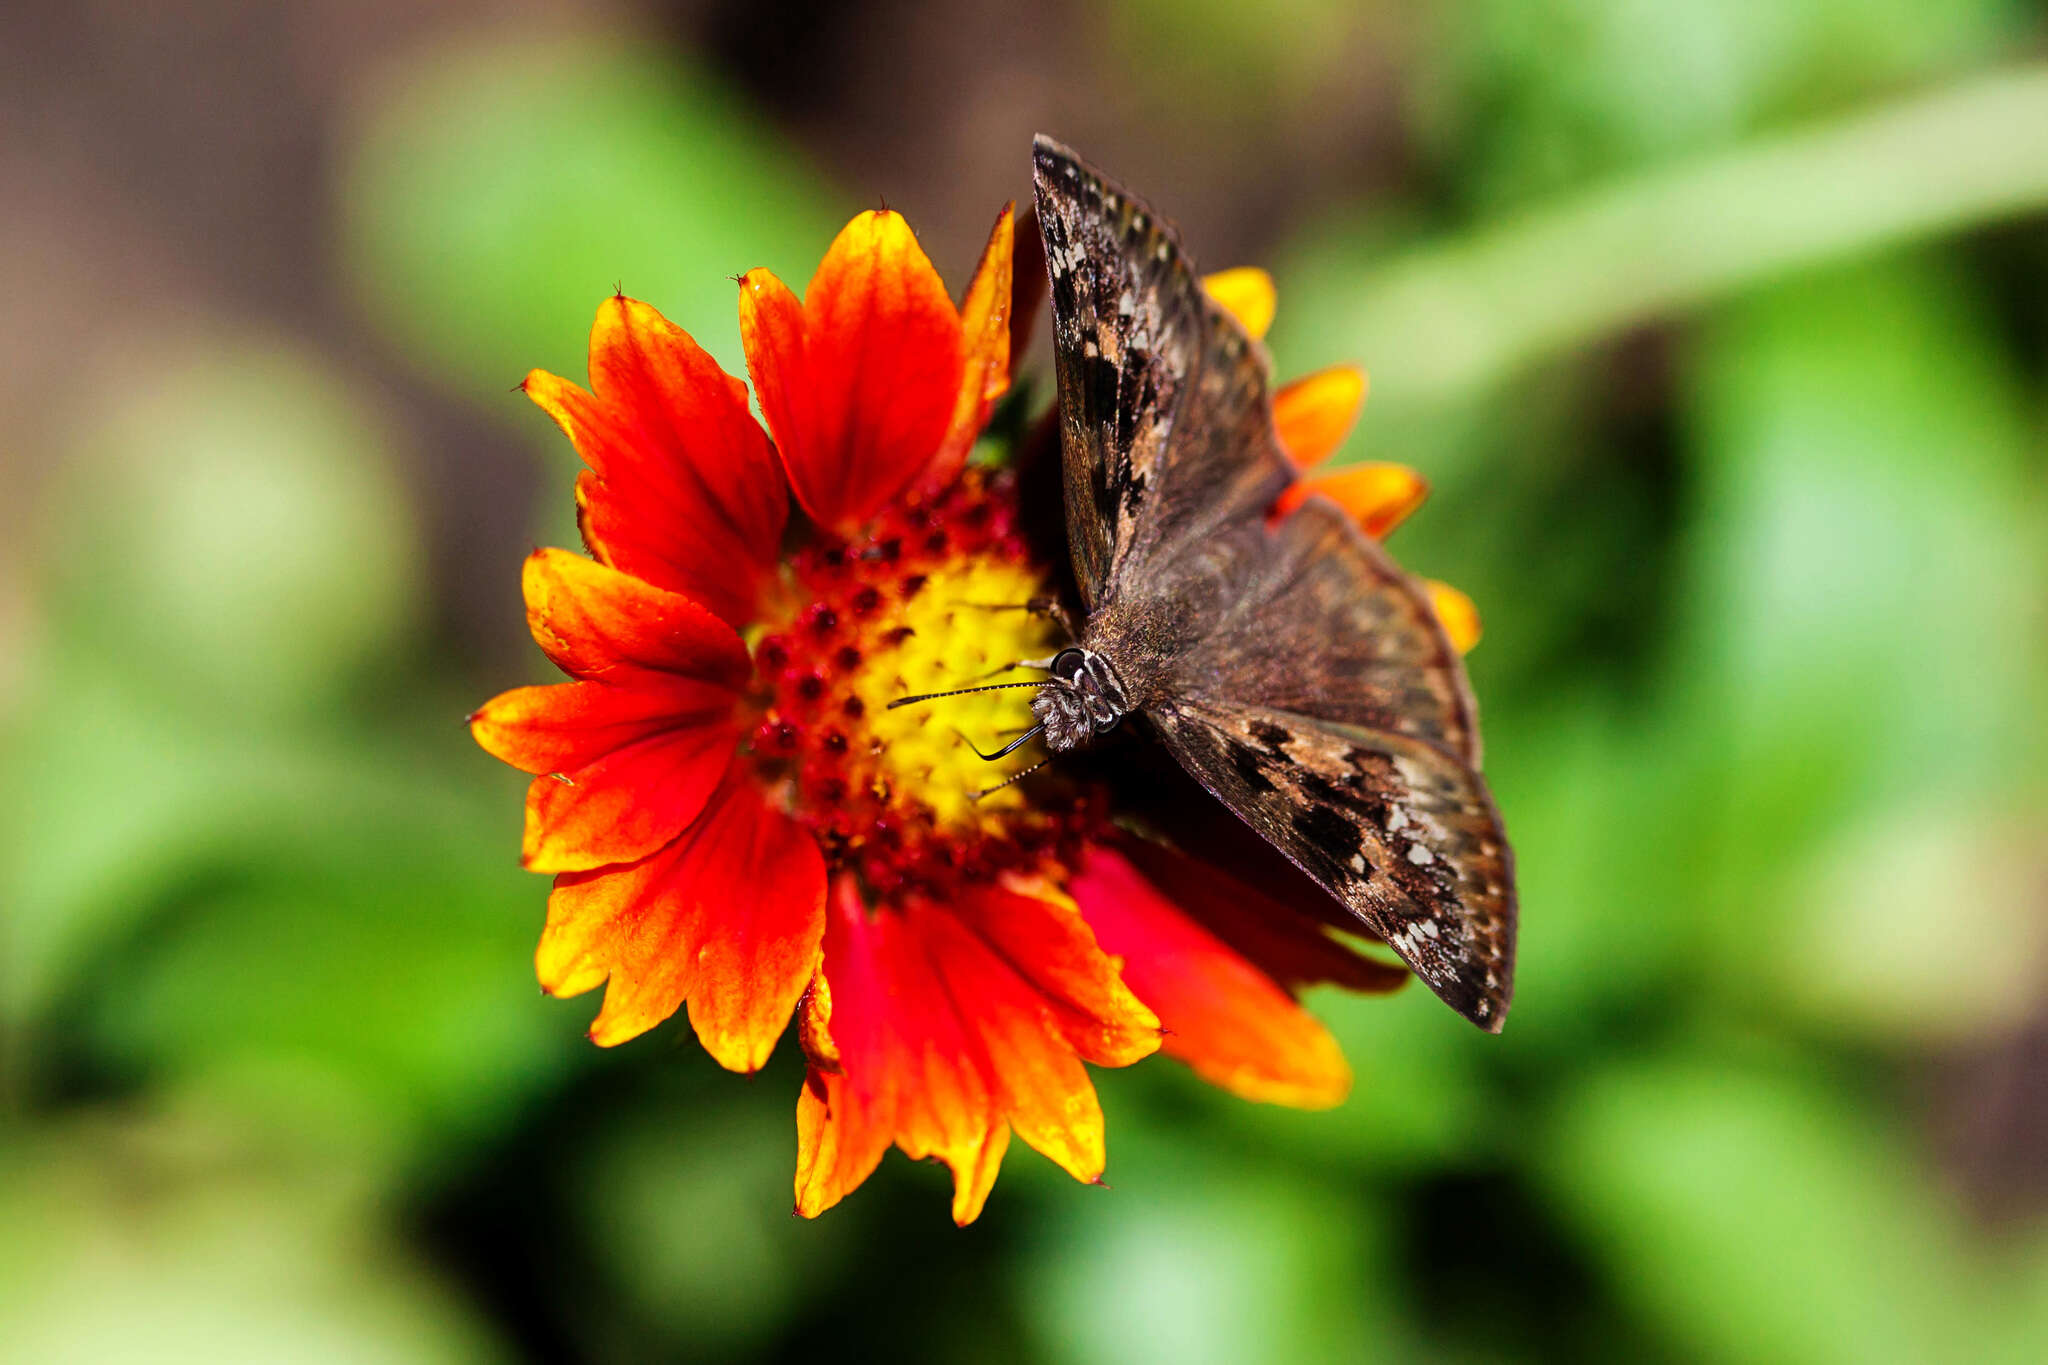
{"type": "Point", "coordinates": [498, 189]}
{"type": "Point", "coordinates": [1762, 568]}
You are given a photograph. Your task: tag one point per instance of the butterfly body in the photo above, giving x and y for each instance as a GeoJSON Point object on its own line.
{"type": "Point", "coordinates": [1083, 700]}
{"type": "Point", "coordinates": [1287, 663]}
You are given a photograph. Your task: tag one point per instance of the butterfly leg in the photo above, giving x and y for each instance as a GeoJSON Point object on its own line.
{"type": "Point", "coordinates": [1017, 776]}
{"type": "Point", "coordinates": [1014, 745]}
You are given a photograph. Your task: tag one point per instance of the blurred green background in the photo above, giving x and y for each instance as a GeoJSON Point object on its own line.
{"type": "Point", "coordinates": [1721, 327]}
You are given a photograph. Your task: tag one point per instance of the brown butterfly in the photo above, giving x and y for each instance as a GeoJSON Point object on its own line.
{"type": "Point", "coordinates": [1289, 665]}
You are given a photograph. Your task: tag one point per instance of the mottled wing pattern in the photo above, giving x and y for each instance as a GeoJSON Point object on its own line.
{"type": "Point", "coordinates": [1319, 620]}
{"type": "Point", "coordinates": [1293, 668]}
{"type": "Point", "coordinates": [1149, 368]}
{"type": "Point", "coordinates": [1403, 833]}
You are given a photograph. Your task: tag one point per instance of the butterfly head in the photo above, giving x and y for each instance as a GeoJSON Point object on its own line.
{"type": "Point", "coordinates": [1082, 699]}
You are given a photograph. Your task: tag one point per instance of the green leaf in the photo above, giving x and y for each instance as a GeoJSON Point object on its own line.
{"type": "Point", "coordinates": [1759, 1217]}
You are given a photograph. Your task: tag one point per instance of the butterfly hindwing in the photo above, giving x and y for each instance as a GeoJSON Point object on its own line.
{"type": "Point", "coordinates": [1401, 832]}
{"type": "Point", "coordinates": [1320, 621]}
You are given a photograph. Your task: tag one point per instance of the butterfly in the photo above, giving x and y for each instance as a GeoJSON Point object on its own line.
{"type": "Point", "coordinates": [1288, 664]}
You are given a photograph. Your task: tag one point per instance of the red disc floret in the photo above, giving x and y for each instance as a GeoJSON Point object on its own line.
{"type": "Point", "coordinates": [812, 743]}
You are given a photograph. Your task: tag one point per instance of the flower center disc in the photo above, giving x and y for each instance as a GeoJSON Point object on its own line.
{"type": "Point", "coordinates": [934, 600]}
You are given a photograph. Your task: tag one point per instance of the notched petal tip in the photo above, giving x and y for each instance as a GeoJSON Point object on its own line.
{"type": "Point", "coordinates": [985, 343]}
{"type": "Point", "coordinates": [974, 1172]}
{"type": "Point", "coordinates": [859, 381]}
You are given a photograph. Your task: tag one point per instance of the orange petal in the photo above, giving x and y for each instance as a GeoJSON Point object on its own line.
{"type": "Point", "coordinates": [1055, 950]}
{"type": "Point", "coordinates": [596, 622]}
{"type": "Point", "coordinates": [562, 728]}
{"type": "Point", "coordinates": [815, 1032]}
{"type": "Point", "coordinates": [728, 917]}
{"type": "Point", "coordinates": [683, 489]}
{"type": "Point", "coordinates": [954, 1026]}
{"type": "Point", "coordinates": [1460, 618]}
{"type": "Point", "coordinates": [1378, 497]}
{"type": "Point", "coordinates": [1314, 413]}
{"type": "Point", "coordinates": [859, 382]}
{"type": "Point", "coordinates": [985, 333]}
{"type": "Point", "coordinates": [631, 750]}
{"type": "Point", "coordinates": [1248, 294]}
{"type": "Point", "coordinates": [626, 804]}
{"type": "Point", "coordinates": [1228, 1019]}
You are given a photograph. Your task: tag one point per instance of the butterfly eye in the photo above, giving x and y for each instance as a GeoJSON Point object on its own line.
{"type": "Point", "coordinates": [1068, 663]}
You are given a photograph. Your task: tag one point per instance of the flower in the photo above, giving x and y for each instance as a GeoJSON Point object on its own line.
{"type": "Point", "coordinates": [740, 826]}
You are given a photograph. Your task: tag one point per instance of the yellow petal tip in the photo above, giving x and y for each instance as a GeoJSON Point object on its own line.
{"type": "Point", "coordinates": [1246, 293]}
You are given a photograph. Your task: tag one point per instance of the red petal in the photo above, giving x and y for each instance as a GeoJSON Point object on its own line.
{"type": "Point", "coordinates": [683, 488]}
{"type": "Point", "coordinates": [1291, 945]}
{"type": "Point", "coordinates": [985, 333]}
{"type": "Point", "coordinates": [953, 1027]}
{"type": "Point", "coordinates": [596, 622]}
{"type": "Point", "coordinates": [728, 917]}
{"type": "Point", "coordinates": [1313, 414]}
{"type": "Point", "coordinates": [1226, 1016]}
{"type": "Point", "coordinates": [859, 382]}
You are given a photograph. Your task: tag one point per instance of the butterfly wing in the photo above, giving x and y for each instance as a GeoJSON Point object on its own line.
{"type": "Point", "coordinates": [1132, 329]}
{"type": "Point", "coordinates": [1215, 618]}
{"type": "Point", "coordinates": [1312, 616]}
{"type": "Point", "coordinates": [1171, 465]}
{"type": "Point", "coordinates": [1400, 831]}
{"type": "Point", "coordinates": [1324, 705]}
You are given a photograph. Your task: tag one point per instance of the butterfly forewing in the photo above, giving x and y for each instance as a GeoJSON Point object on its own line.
{"type": "Point", "coordinates": [1132, 335]}
{"type": "Point", "coordinates": [1289, 665]}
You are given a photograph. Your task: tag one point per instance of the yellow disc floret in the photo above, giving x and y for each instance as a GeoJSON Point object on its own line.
{"type": "Point", "coordinates": [936, 598]}
{"type": "Point", "coordinates": [967, 625]}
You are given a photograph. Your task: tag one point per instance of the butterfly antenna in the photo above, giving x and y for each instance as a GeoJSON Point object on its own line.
{"type": "Point", "coordinates": [1013, 777]}
{"type": "Point", "coordinates": [963, 691]}
{"type": "Point", "coordinates": [1008, 749]}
